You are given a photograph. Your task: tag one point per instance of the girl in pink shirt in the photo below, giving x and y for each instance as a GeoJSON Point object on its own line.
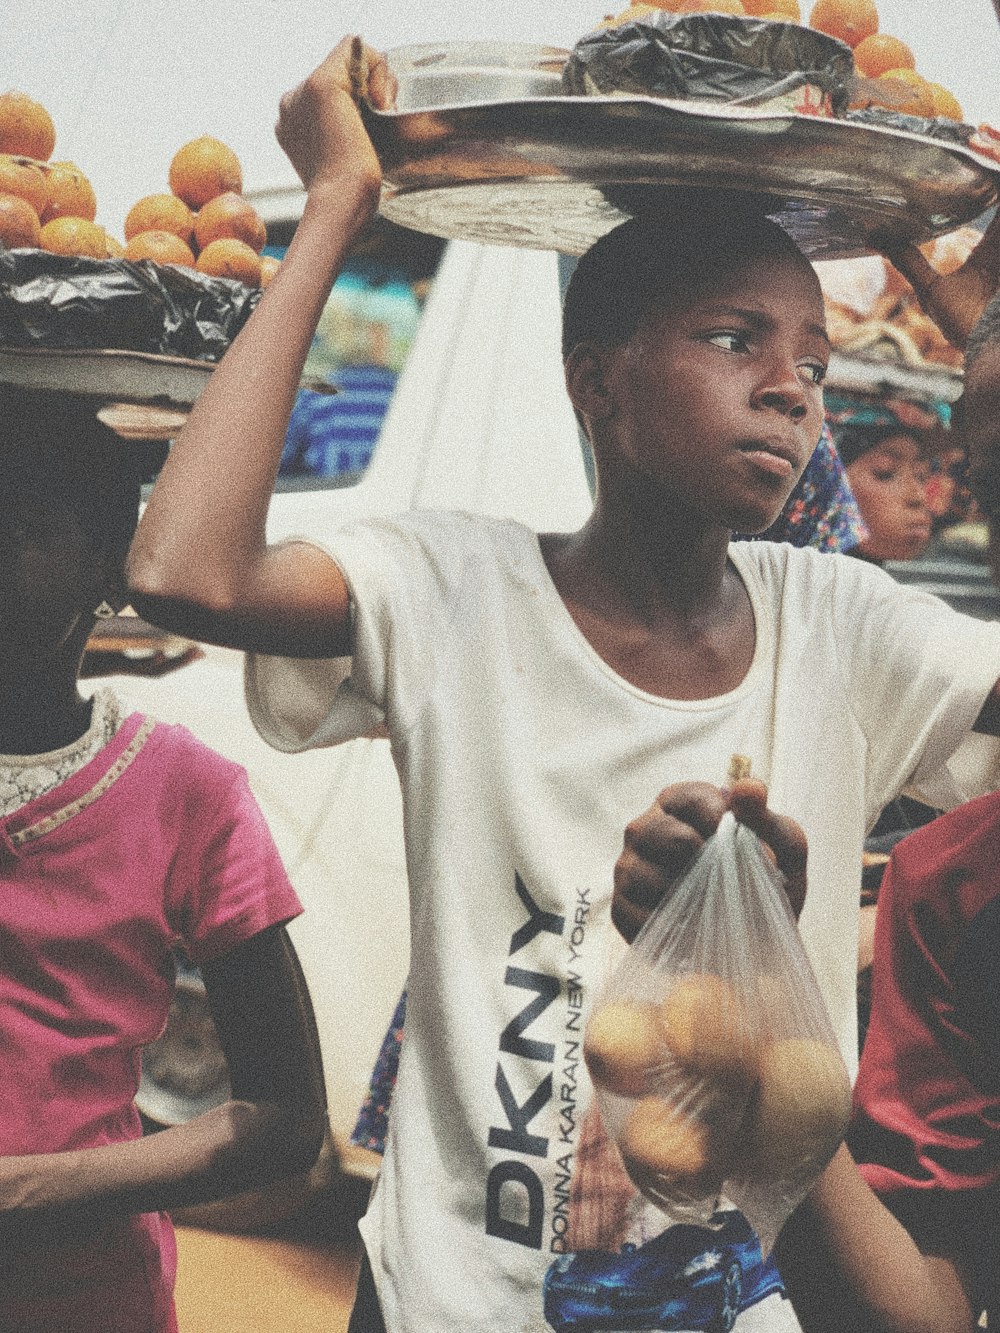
{"type": "Point", "coordinates": [120, 839]}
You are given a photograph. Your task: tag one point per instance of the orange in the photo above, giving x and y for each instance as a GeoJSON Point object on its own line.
{"type": "Point", "coordinates": [25, 127]}
{"type": "Point", "coordinates": [25, 179]}
{"type": "Point", "coordinates": [18, 222]}
{"type": "Point", "coordinates": [946, 104]}
{"type": "Point", "coordinates": [74, 236]}
{"type": "Point", "coordinates": [709, 7]}
{"type": "Point", "coordinates": [69, 194]}
{"type": "Point", "coordinates": [268, 268]}
{"type": "Point", "coordinates": [160, 212]}
{"type": "Point", "coordinates": [228, 258]}
{"type": "Point", "coordinates": [115, 248]}
{"type": "Point", "coordinates": [162, 247]}
{"type": "Point", "coordinates": [782, 10]}
{"type": "Point", "coordinates": [879, 53]}
{"type": "Point", "coordinates": [204, 168]}
{"type": "Point", "coordinates": [623, 1048]}
{"type": "Point", "coordinates": [913, 88]}
{"type": "Point", "coordinates": [230, 215]}
{"type": "Point", "coordinates": [801, 1110]}
{"type": "Point", "coordinates": [627, 15]}
{"type": "Point", "coordinates": [850, 20]}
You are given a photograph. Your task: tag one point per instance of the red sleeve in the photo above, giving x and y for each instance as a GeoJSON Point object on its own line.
{"type": "Point", "coordinates": [927, 1116]}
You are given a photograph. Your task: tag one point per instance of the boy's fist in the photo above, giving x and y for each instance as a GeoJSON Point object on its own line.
{"type": "Point", "coordinates": [319, 126]}
{"type": "Point", "coordinates": [660, 845]}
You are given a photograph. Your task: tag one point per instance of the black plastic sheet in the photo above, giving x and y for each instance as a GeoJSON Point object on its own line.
{"type": "Point", "coordinates": [709, 57]}
{"type": "Point", "coordinates": [936, 127]}
{"type": "Point", "coordinates": [63, 301]}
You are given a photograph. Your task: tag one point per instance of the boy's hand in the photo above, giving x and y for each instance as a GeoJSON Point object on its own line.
{"type": "Point", "coordinates": [662, 843]}
{"type": "Point", "coordinates": [955, 300]}
{"type": "Point", "coordinates": [319, 126]}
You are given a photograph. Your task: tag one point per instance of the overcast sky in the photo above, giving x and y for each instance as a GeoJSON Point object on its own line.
{"type": "Point", "coordinates": [129, 81]}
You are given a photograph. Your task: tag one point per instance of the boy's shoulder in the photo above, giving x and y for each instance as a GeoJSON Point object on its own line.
{"type": "Point", "coordinates": [430, 525]}
{"type": "Point", "coordinates": [814, 570]}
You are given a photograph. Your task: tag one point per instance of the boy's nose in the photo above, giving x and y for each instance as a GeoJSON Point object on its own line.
{"type": "Point", "coordinates": [789, 399]}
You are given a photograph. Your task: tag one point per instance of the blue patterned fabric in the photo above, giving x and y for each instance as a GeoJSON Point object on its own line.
{"type": "Point", "coordinates": [332, 434]}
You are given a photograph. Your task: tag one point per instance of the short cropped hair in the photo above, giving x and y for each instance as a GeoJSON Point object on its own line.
{"type": "Point", "coordinates": [648, 263]}
{"type": "Point", "coordinates": [985, 335]}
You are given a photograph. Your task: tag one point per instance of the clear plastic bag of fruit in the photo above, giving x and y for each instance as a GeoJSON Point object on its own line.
{"type": "Point", "coordinates": [711, 1050]}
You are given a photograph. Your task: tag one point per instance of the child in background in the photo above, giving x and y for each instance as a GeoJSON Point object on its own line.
{"type": "Point", "coordinates": [540, 691]}
{"type": "Point", "coordinates": [888, 469]}
{"type": "Point", "coordinates": [120, 838]}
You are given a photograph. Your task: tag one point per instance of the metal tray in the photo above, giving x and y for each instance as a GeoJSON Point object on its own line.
{"type": "Point", "coordinates": [556, 172]}
{"type": "Point", "coordinates": [114, 375]}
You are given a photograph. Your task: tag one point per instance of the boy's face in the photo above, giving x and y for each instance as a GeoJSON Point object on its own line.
{"type": "Point", "coordinates": [980, 428]}
{"type": "Point", "coordinates": [716, 403]}
{"type": "Point", "coordinates": [890, 485]}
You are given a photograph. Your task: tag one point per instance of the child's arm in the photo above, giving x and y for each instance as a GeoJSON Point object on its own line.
{"type": "Point", "coordinates": [663, 841]}
{"type": "Point", "coordinates": [200, 563]}
{"type": "Point", "coordinates": [850, 1267]}
{"type": "Point", "coordinates": [272, 1127]}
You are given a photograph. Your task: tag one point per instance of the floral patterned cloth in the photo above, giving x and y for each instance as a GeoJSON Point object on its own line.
{"type": "Point", "coordinates": [821, 511]}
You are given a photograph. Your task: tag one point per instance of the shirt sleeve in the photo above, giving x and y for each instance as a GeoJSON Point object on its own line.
{"type": "Point", "coordinates": [917, 674]}
{"type": "Point", "coordinates": [228, 882]}
{"type": "Point", "coordinates": [405, 578]}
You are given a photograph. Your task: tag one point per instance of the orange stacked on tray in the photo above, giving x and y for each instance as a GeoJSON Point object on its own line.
{"type": "Point", "coordinates": [204, 221]}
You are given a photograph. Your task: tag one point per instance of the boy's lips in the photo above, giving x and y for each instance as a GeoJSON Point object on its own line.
{"type": "Point", "coordinates": [772, 456]}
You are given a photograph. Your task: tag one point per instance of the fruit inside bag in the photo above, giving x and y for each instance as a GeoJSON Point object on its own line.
{"type": "Point", "coordinates": [711, 1050]}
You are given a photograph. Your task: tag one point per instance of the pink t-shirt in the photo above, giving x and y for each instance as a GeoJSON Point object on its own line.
{"type": "Point", "coordinates": [157, 841]}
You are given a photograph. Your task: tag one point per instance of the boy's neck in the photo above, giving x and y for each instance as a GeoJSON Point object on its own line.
{"type": "Point", "coordinates": [676, 569]}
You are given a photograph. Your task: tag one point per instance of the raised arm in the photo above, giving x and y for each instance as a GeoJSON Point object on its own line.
{"type": "Point", "coordinates": [955, 300]}
{"type": "Point", "coordinates": [273, 1125]}
{"type": "Point", "coordinates": [200, 563]}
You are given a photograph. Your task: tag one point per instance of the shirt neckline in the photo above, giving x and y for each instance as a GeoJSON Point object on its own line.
{"type": "Point", "coordinates": [570, 631]}
{"type": "Point", "coordinates": [52, 802]}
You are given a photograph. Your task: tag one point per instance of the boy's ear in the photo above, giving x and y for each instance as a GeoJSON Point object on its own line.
{"type": "Point", "coordinates": [586, 369]}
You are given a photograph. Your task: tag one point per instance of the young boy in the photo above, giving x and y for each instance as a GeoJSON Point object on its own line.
{"type": "Point", "coordinates": [908, 1240]}
{"type": "Point", "coordinates": [539, 692]}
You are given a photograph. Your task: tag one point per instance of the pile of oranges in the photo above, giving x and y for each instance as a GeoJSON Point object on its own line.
{"type": "Point", "coordinates": [204, 222]}
{"type": "Point", "coordinates": [886, 65]}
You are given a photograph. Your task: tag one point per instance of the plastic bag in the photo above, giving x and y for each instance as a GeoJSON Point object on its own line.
{"type": "Point", "coordinates": [64, 301]}
{"type": "Point", "coordinates": [711, 1051]}
{"type": "Point", "coordinates": [933, 127]}
{"type": "Point", "coordinates": [714, 57]}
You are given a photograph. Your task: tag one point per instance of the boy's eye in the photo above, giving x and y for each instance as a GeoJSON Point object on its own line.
{"type": "Point", "coordinates": [884, 474]}
{"type": "Point", "coordinates": [816, 371]}
{"type": "Point", "coordinates": [731, 339]}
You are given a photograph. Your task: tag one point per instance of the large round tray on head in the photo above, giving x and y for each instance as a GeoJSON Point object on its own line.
{"type": "Point", "coordinates": [484, 146]}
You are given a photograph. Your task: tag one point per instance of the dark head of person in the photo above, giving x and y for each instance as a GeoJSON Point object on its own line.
{"type": "Point", "coordinates": [70, 492]}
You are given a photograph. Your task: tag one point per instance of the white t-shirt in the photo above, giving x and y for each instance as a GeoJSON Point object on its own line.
{"type": "Point", "coordinates": [522, 757]}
